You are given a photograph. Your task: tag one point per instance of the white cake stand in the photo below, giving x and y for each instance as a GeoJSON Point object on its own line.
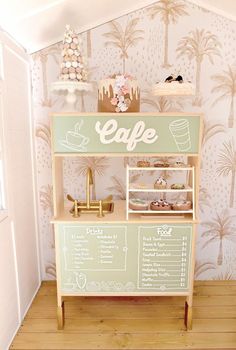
{"type": "Point", "coordinates": [70, 89]}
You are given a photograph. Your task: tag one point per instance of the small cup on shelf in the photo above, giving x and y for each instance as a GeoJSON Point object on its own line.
{"type": "Point", "coordinates": [138, 204]}
{"type": "Point", "coordinates": [182, 205]}
{"type": "Point", "coordinates": [160, 184]}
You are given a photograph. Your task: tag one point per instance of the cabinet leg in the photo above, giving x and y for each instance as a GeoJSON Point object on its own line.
{"type": "Point", "coordinates": [188, 316]}
{"type": "Point", "coordinates": [60, 316]}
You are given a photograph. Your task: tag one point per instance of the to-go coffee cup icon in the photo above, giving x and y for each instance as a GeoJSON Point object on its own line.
{"type": "Point", "coordinates": [180, 132]}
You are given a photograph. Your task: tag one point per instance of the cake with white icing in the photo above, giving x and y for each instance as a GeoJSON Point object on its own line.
{"type": "Point", "coordinates": [173, 88]}
{"type": "Point", "coordinates": [173, 85]}
{"type": "Point", "coordinates": [118, 93]}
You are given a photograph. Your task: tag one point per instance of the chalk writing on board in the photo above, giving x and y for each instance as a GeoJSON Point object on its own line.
{"type": "Point", "coordinates": [78, 281]}
{"type": "Point", "coordinates": [95, 248]}
{"type": "Point", "coordinates": [163, 256]}
{"type": "Point", "coordinates": [81, 280]}
{"type": "Point", "coordinates": [74, 140]}
{"type": "Point", "coordinates": [180, 130]}
{"type": "Point", "coordinates": [110, 132]}
{"type": "Point", "coordinates": [110, 286]}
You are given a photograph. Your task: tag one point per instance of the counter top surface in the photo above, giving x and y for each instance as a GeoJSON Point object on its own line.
{"type": "Point", "coordinates": [119, 216]}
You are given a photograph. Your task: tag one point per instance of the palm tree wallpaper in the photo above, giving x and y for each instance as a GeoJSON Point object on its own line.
{"type": "Point", "coordinates": [123, 38]}
{"type": "Point", "coordinates": [210, 130]}
{"type": "Point", "coordinates": [169, 11]}
{"type": "Point", "coordinates": [197, 45]}
{"type": "Point", "coordinates": [225, 84]}
{"type": "Point", "coordinates": [168, 37]}
{"type": "Point", "coordinates": [42, 56]}
{"type": "Point", "coordinates": [220, 229]}
{"type": "Point", "coordinates": [227, 166]}
{"type": "Point", "coordinates": [161, 104]}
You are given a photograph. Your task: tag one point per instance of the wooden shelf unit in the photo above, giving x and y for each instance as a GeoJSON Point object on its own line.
{"type": "Point", "coordinates": [123, 272]}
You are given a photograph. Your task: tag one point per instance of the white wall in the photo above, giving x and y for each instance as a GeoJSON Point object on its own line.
{"type": "Point", "coordinates": [19, 263]}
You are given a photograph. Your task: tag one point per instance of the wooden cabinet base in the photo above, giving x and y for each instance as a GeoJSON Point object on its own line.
{"type": "Point", "coordinates": [188, 316]}
{"type": "Point", "coordinates": [60, 316]}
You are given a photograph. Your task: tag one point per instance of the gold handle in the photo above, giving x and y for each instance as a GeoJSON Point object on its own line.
{"type": "Point", "coordinates": [70, 198]}
{"type": "Point", "coordinates": [76, 212]}
{"type": "Point", "coordinates": [100, 213]}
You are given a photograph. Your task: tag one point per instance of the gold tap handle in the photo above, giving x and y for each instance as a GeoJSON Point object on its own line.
{"type": "Point", "coordinates": [100, 213]}
{"type": "Point", "coordinates": [76, 213]}
{"type": "Point", "coordinates": [90, 176]}
{"type": "Point", "coordinates": [70, 198]}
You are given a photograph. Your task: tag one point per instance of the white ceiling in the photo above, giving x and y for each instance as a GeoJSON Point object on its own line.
{"type": "Point", "coordinates": [36, 24]}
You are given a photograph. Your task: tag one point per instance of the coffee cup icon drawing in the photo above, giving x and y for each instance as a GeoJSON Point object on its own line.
{"type": "Point", "coordinates": [74, 140]}
{"type": "Point", "coordinates": [180, 131]}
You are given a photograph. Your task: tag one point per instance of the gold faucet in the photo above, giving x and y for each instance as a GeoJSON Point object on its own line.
{"type": "Point", "coordinates": [89, 182]}
{"type": "Point", "coordinates": [97, 206]}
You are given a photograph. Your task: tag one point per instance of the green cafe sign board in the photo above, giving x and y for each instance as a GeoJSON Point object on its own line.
{"type": "Point", "coordinates": [112, 133]}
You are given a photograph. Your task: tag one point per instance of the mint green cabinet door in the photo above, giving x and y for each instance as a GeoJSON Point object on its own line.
{"type": "Point", "coordinates": [126, 134]}
{"type": "Point", "coordinates": [124, 258]}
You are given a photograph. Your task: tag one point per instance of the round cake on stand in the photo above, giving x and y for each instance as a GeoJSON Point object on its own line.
{"type": "Point", "coordinates": [173, 87]}
{"type": "Point", "coordinates": [118, 93]}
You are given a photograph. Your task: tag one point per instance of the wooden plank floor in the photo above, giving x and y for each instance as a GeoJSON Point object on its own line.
{"type": "Point", "coordinates": [132, 323]}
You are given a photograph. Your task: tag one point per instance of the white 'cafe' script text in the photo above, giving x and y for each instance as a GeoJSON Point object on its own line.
{"type": "Point", "coordinates": [110, 132]}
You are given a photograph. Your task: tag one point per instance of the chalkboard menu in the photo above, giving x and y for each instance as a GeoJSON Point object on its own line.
{"type": "Point", "coordinates": [125, 259]}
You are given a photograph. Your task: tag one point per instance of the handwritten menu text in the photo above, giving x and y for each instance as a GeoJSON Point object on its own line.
{"type": "Point", "coordinates": [95, 248]}
{"type": "Point", "coordinates": [163, 257]}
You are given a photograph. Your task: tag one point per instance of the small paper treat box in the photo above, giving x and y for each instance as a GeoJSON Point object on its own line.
{"type": "Point", "coordinates": [118, 93]}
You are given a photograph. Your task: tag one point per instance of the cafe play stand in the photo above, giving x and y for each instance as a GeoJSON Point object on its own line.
{"type": "Point", "coordinates": [114, 250]}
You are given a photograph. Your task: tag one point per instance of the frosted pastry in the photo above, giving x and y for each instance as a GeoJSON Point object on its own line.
{"type": "Point", "coordinates": [143, 163]}
{"type": "Point", "coordinates": [160, 205]}
{"type": "Point", "coordinates": [161, 164]}
{"type": "Point", "coordinates": [177, 186]}
{"type": "Point", "coordinates": [138, 204]}
{"type": "Point", "coordinates": [180, 165]}
{"type": "Point", "coordinates": [160, 183]}
{"type": "Point", "coordinates": [182, 205]}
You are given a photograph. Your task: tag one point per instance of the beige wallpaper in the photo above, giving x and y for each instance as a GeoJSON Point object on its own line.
{"type": "Point", "coordinates": [168, 37]}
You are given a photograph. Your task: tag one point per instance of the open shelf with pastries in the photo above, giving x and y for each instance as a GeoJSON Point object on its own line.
{"type": "Point", "coordinates": [167, 197]}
